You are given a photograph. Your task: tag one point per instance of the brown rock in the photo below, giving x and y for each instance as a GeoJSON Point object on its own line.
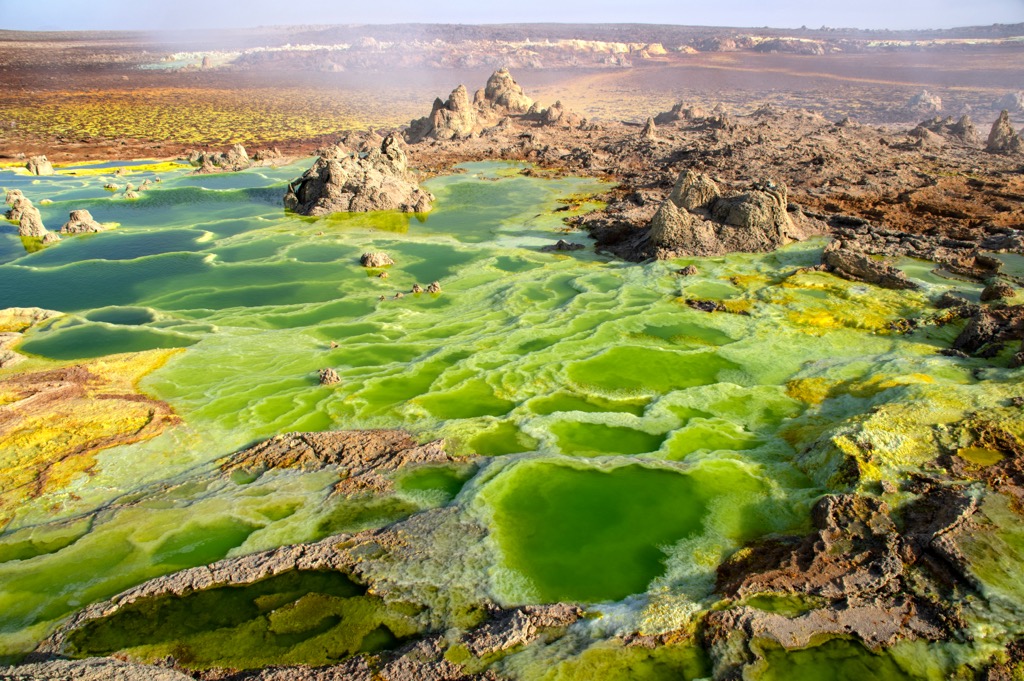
{"type": "Point", "coordinates": [39, 165]}
{"type": "Point", "coordinates": [376, 259]}
{"type": "Point", "coordinates": [329, 377]}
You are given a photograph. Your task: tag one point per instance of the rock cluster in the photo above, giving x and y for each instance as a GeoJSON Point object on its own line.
{"type": "Point", "coordinates": [697, 219]}
{"type": "Point", "coordinates": [232, 160]}
{"type": "Point", "coordinates": [457, 118]}
{"type": "Point", "coordinates": [342, 182]}
{"type": "Point", "coordinates": [961, 130]}
{"type": "Point", "coordinates": [329, 376]}
{"type": "Point", "coordinates": [81, 222]}
{"type": "Point", "coordinates": [30, 222]}
{"type": "Point", "coordinates": [39, 165]}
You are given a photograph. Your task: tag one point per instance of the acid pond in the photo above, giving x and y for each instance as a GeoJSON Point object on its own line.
{"type": "Point", "coordinates": [630, 443]}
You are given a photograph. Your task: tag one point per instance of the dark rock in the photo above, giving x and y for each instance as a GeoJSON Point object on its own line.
{"type": "Point", "coordinates": [563, 245]}
{"type": "Point", "coordinates": [855, 266]}
{"type": "Point", "coordinates": [996, 291]}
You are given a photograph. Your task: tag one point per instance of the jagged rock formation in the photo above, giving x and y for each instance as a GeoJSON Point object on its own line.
{"type": "Point", "coordinates": [1003, 139]}
{"type": "Point", "coordinates": [502, 97]}
{"type": "Point", "coordinates": [990, 329]}
{"type": "Point", "coordinates": [961, 130]}
{"type": "Point", "coordinates": [697, 219]}
{"type": "Point", "coordinates": [450, 119]}
{"type": "Point", "coordinates": [234, 159]}
{"type": "Point", "coordinates": [341, 182]}
{"type": "Point", "coordinates": [30, 222]}
{"type": "Point", "coordinates": [842, 260]}
{"type": "Point", "coordinates": [39, 165]}
{"type": "Point", "coordinates": [503, 93]}
{"type": "Point", "coordinates": [81, 222]}
{"type": "Point", "coordinates": [857, 572]}
{"type": "Point", "coordinates": [562, 245]}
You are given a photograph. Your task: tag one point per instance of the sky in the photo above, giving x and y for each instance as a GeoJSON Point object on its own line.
{"type": "Point", "coordinates": [184, 14]}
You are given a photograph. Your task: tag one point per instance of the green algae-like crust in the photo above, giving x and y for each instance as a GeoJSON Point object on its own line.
{"type": "Point", "coordinates": [296, 617]}
{"type": "Point", "coordinates": [838, 659]}
{"type": "Point", "coordinates": [591, 534]}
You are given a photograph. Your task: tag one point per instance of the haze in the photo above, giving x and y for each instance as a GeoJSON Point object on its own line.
{"type": "Point", "coordinates": [184, 14]}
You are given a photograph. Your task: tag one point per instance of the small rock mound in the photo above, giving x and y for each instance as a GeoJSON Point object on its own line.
{"type": "Point", "coordinates": [996, 291]}
{"type": "Point", "coordinates": [81, 222]}
{"type": "Point", "coordinates": [39, 165]}
{"type": "Point", "coordinates": [434, 287]}
{"type": "Point", "coordinates": [329, 377]}
{"type": "Point", "coordinates": [341, 182]}
{"type": "Point", "coordinates": [1003, 139]}
{"type": "Point", "coordinates": [376, 259]}
{"type": "Point", "coordinates": [503, 92]}
{"type": "Point", "coordinates": [562, 245]}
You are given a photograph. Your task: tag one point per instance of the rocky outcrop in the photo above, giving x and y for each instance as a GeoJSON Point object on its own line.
{"type": "Point", "coordinates": [342, 182]}
{"type": "Point", "coordinates": [30, 222]}
{"type": "Point", "coordinates": [697, 219]}
{"type": "Point", "coordinates": [376, 259]}
{"type": "Point", "coordinates": [366, 456]}
{"type": "Point", "coordinates": [844, 261]}
{"type": "Point", "coordinates": [453, 118]}
{"type": "Point", "coordinates": [81, 222]}
{"type": "Point", "coordinates": [961, 130]}
{"type": "Point", "coordinates": [39, 165]}
{"type": "Point", "coordinates": [458, 118]}
{"type": "Point", "coordinates": [997, 290]}
{"type": "Point", "coordinates": [504, 94]}
{"type": "Point", "coordinates": [853, 573]}
{"type": "Point", "coordinates": [1003, 139]}
{"type": "Point", "coordinates": [233, 160]}
{"type": "Point", "coordinates": [990, 329]}
{"type": "Point", "coordinates": [92, 669]}
{"type": "Point", "coordinates": [518, 627]}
